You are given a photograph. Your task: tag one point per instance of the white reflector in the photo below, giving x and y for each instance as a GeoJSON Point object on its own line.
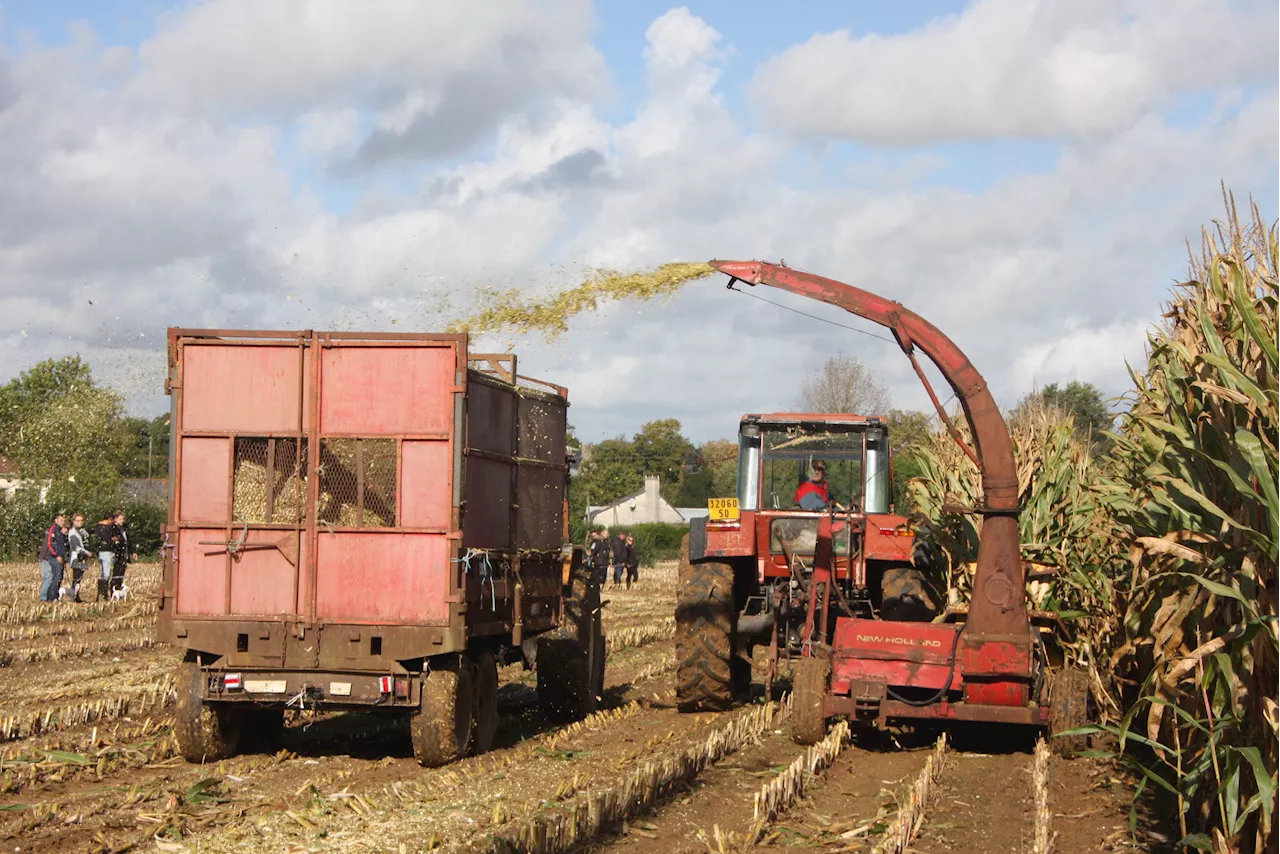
{"type": "Point", "coordinates": [384, 684]}
{"type": "Point", "coordinates": [264, 686]}
{"type": "Point", "coordinates": [231, 682]}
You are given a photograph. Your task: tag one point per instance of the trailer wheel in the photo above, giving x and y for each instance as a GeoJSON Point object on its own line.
{"type": "Point", "coordinates": [485, 723]}
{"type": "Point", "coordinates": [441, 730]}
{"type": "Point", "coordinates": [1068, 709]}
{"type": "Point", "coordinates": [705, 629]}
{"type": "Point", "coordinates": [205, 732]}
{"type": "Point", "coordinates": [808, 693]}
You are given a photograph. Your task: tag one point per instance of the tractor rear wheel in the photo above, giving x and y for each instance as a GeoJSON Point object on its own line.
{"type": "Point", "coordinates": [1068, 709]}
{"type": "Point", "coordinates": [485, 714]}
{"type": "Point", "coordinates": [205, 732]}
{"type": "Point", "coordinates": [905, 596]}
{"type": "Point", "coordinates": [808, 694]}
{"type": "Point", "coordinates": [441, 729]}
{"type": "Point", "coordinates": [705, 636]}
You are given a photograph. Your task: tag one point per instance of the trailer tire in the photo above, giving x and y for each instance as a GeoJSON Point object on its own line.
{"type": "Point", "coordinates": [808, 694]}
{"type": "Point", "coordinates": [485, 724]}
{"type": "Point", "coordinates": [905, 596]}
{"type": "Point", "coordinates": [707, 677]}
{"type": "Point", "coordinates": [441, 730]}
{"type": "Point", "coordinates": [205, 732]}
{"type": "Point", "coordinates": [1068, 709]}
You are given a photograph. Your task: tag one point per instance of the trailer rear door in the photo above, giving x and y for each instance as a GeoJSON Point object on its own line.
{"type": "Point", "coordinates": [315, 475]}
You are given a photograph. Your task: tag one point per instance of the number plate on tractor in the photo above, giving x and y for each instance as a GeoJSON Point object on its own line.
{"type": "Point", "coordinates": [722, 509]}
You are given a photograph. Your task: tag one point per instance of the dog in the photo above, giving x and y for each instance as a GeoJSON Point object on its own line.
{"type": "Point", "coordinates": [120, 594]}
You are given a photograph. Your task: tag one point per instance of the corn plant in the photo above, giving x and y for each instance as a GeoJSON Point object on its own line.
{"type": "Point", "coordinates": [1194, 488]}
{"type": "Point", "coordinates": [1065, 533]}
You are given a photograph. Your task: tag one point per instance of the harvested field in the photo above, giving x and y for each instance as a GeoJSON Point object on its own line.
{"type": "Point", "coordinates": [88, 762]}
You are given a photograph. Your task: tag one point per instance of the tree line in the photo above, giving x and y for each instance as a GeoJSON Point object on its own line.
{"type": "Point", "coordinates": [72, 444]}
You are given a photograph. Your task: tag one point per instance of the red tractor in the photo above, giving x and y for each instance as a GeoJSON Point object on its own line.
{"type": "Point", "coordinates": [838, 586]}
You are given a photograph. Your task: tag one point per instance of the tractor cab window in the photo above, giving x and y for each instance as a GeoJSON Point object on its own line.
{"type": "Point", "coordinates": [789, 455]}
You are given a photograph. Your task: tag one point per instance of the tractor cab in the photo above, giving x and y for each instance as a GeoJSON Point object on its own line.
{"type": "Point", "coordinates": [786, 461]}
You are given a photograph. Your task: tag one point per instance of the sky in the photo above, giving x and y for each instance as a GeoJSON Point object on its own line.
{"type": "Point", "coordinates": [1025, 174]}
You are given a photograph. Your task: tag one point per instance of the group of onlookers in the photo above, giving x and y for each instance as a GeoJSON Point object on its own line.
{"type": "Point", "coordinates": [70, 546]}
{"type": "Point", "coordinates": [617, 552]}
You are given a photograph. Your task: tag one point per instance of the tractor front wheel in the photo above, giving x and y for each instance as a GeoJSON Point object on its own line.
{"type": "Point", "coordinates": [705, 636]}
{"type": "Point", "coordinates": [808, 695]}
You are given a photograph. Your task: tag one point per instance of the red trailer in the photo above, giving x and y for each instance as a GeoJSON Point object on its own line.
{"type": "Point", "coordinates": [367, 521]}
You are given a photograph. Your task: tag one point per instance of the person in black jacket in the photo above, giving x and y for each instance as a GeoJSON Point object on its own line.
{"type": "Point", "coordinates": [108, 540]}
{"type": "Point", "coordinates": [618, 549]}
{"type": "Point", "coordinates": [53, 557]}
{"type": "Point", "coordinates": [633, 561]}
{"type": "Point", "coordinates": [599, 556]}
{"type": "Point", "coordinates": [124, 552]}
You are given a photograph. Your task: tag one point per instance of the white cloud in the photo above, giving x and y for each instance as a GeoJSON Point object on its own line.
{"type": "Point", "coordinates": [189, 202]}
{"type": "Point", "coordinates": [437, 75]}
{"type": "Point", "coordinates": [1013, 68]}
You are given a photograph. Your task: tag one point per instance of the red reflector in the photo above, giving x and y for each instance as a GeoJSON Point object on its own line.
{"type": "Point", "coordinates": [896, 532]}
{"type": "Point", "coordinates": [402, 687]}
{"type": "Point", "coordinates": [231, 682]}
{"type": "Point", "coordinates": [384, 684]}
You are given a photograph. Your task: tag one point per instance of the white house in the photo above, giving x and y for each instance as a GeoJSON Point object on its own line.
{"type": "Point", "coordinates": [8, 477]}
{"type": "Point", "coordinates": [10, 483]}
{"type": "Point", "coordinates": [641, 507]}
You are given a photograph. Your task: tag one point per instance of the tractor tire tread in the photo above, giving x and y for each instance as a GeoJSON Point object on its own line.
{"type": "Point", "coordinates": [705, 620]}
{"type": "Point", "coordinates": [1068, 709]}
{"type": "Point", "coordinates": [808, 693]}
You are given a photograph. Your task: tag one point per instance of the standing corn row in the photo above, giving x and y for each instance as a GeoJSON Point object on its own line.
{"type": "Point", "coordinates": [1195, 485]}
{"type": "Point", "coordinates": [620, 639]}
{"type": "Point", "coordinates": [906, 824]}
{"type": "Point", "coordinates": [1063, 525]}
{"type": "Point", "coordinates": [785, 789]}
{"type": "Point", "coordinates": [550, 832]}
{"type": "Point", "coordinates": [1042, 772]}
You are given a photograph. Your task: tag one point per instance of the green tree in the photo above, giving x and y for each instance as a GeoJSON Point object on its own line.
{"type": "Point", "coordinates": [148, 446]}
{"type": "Point", "coordinates": [663, 450]}
{"type": "Point", "coordinates": [58, 425]}
{"type": "Point", "coordinates": [909, 431]}
{"type": "Point", "coordinates": [1085, 403]}
{"type": "Point", "coordinates": [716, 474]}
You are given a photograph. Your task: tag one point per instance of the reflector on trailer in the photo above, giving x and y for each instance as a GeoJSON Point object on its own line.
{"type": "Point", "coordinates": [232, 682]}
{"type": "Point", "coordinates": [384, 684]}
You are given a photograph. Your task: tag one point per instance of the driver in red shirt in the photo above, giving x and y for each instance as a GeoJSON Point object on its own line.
{"type": "Point", "coordinates": [814, 494]}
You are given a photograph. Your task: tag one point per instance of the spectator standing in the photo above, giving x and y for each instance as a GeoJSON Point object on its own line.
{"type": "Point", "coordinates": [53, 557]}
{"type": "Point", "coordinates": [599, 556]}
{"type": "Point", "coordinates": [124, 553]}
{"type": "Point", "coordinates": [107, 540]}
{"type": "Point", "coordinates": [618, 551]}
{"type": "Point", "coordinates": [633, 561]}
{"type": "Point", "coordinates": [78, 554]}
